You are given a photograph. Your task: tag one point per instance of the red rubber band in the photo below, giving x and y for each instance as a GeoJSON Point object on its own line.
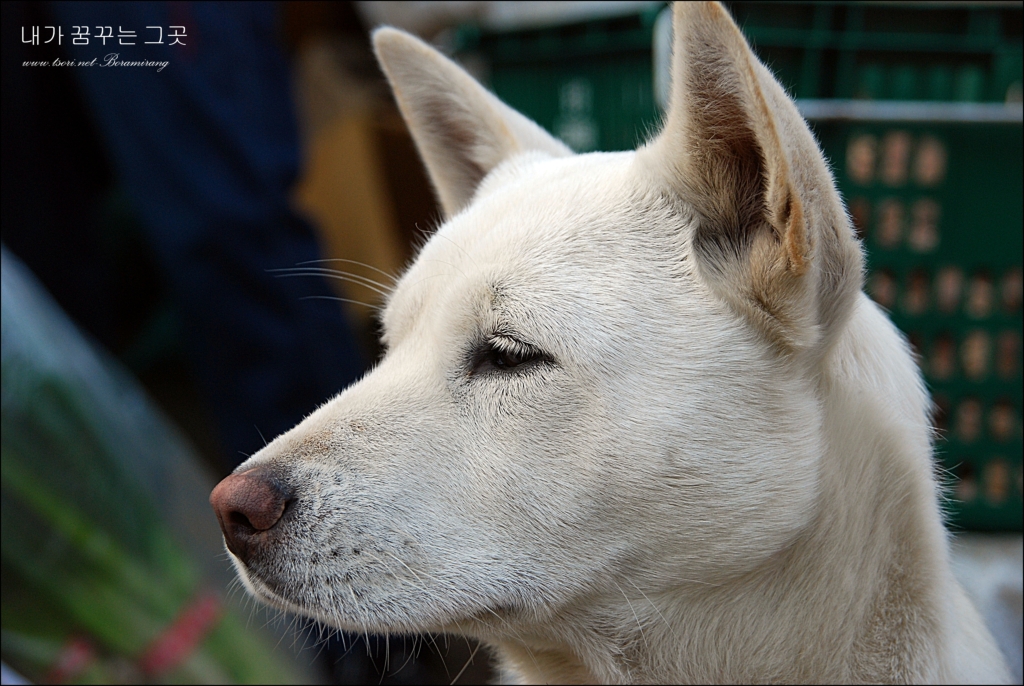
{"type": "Point", "coordinates": [182, 636]}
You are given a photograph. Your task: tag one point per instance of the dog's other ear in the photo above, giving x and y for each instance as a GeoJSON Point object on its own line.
{"type": "Point", "coordinates": [461, 130]}
{"type": "Point", "coordinates": [772, 237]}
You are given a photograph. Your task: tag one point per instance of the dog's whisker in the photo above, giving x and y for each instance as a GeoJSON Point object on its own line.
{"type": "Point", "coordinates": [635, 615]}
{"type": "Point", "coordinates": [468, 662]}
{"type": "Point", "coordinates": [359, 279]}
{"type": "Point", "coordinates": [329, 274]}
{"type": "Point", "coordinates": [410, 654]}
{"type": "Point", "coordinates": [387, 657]}
{"type": "Point", "coordinates": [262, 437]}
{"type": "Point", "coordinates": [655, 607]}
{"type": "Point", "coordinates": [339, 299]}
{"type": "Point", "coordinates": [391, 277]}
{"type": "Point", "coordinates": [437, 648]}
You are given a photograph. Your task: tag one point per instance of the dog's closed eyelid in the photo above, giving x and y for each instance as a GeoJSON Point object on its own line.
{"type": "Point", "coordinates": [508, 341]}
{"type": "Point", "coordinates": [500, 352]}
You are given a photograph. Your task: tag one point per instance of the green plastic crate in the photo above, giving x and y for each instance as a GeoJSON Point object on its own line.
{"type": "Point", "coordinates": [939, 207]}
{"type": "Point", "coordinates": [591, 83]}
{"type": "Point", "coordinates": [963, 52]}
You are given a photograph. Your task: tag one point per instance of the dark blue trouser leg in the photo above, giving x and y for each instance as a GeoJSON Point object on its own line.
{"type": "Point", "coordinates": [207, 149]}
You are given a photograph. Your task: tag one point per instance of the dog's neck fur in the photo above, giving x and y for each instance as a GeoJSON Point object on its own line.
{"type": "Point", "coordinates": [876, 537]}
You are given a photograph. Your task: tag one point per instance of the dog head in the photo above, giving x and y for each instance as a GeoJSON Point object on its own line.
{"type": "Point", "coordinates": [599, 370]}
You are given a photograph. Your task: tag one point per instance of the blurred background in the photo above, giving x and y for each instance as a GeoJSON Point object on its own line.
{"type": "Point", "coordinates": [196, 238]}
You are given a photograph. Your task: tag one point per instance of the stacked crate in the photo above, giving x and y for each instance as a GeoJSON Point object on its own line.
{"type": "Point", "coordinates": [939, 207]}
{"type": "Point", "coordinates": [917, 107]}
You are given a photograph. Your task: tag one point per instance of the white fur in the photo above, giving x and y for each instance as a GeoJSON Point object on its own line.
{"type": "Point", "coordinates": [721, 472]}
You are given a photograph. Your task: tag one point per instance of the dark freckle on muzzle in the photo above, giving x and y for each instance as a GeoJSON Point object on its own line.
{"type": "Point", "coordinates": [248, 506]}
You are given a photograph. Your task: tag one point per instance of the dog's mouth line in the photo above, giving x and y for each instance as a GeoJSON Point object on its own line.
{"type": "Point", "coordinates": [261, 590]}
{"type": "Point", "coordinates": [484, 615]}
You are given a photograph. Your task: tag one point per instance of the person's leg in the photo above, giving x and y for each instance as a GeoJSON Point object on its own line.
{"type": "Point", "coordinates": [207, 149]}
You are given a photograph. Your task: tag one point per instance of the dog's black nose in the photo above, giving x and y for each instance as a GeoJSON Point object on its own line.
{"type": "Point", "coordinates": [247, 505]}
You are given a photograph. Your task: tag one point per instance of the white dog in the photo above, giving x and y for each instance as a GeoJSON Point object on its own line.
{"type": "Point", "coordinates": [637, 421]}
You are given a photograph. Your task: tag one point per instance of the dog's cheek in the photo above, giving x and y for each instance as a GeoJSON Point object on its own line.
{"type": "Point", "coordinates": [543, 448]}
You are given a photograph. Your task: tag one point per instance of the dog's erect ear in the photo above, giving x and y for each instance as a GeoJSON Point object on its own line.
{"type": "Point", "coordinates": [461, 130]}
{"type": "Point", "coordinates": [772, 236]}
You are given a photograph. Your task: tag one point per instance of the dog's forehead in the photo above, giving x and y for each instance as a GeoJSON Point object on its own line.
{"type": "Point", "coordinates": [536, 226]}
{"type": "Point", "coordinates": [528, 214]}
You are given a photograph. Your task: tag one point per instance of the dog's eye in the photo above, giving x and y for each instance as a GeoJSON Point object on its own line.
{"type": "Point", "coordinates": [506, 359]}
{"type": "Point", "coordinates": [504, 354]}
